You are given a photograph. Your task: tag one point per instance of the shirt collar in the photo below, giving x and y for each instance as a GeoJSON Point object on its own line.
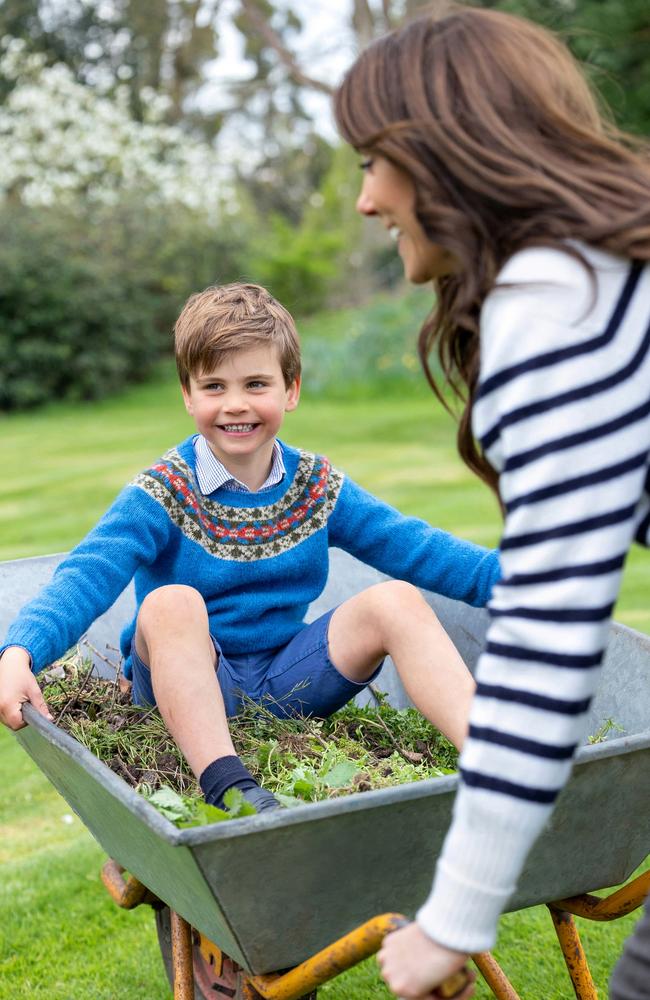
{"type": "Point", "coordinates": [212, 474]}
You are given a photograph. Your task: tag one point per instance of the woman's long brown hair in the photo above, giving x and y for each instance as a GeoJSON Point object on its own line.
{"type": "Point", "coordinates": [494, 121]}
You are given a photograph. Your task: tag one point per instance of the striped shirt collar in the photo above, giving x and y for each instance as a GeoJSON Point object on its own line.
{"type": "Point", "coordinates": [212, 474]}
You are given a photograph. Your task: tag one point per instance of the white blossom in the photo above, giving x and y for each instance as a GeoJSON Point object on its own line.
{"type": "Point", "coordinates": [62, 142]}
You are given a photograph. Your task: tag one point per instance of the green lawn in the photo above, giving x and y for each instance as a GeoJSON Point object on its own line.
{"type": "Point", "coordinates": [60, 935]}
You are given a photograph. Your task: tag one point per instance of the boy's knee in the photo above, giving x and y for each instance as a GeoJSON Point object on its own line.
{"type": "Point", "coordinates": [394, 595]}
{"type": "Point", "coordinates": [171, 602]}
{"type": "Point", "coordinates": [164, 614]}
{"type": "Point", "coordinates": [394, 600]}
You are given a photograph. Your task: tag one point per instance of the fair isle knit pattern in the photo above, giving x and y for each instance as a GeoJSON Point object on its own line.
{"type": "Point", "coordinates": [246, 533]}
{"type": "Point", "coordinates": [563, 415]}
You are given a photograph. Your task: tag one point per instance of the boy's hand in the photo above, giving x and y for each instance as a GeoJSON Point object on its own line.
{"type": "Point", "coordinates": [413, 965]}
{"type": "Point", "coordinates": [17, 686]}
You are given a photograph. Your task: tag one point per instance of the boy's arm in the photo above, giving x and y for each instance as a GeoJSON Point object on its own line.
{"type": "Point", "coordinates": [89, 580]}
{"type": "Point", "coordinates": [411, 549]}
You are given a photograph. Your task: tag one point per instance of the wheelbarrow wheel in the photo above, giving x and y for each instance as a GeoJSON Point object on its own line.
{"type": "Point", "coordinates": [207, 985]}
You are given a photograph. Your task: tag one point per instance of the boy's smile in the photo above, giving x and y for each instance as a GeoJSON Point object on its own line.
{"type": "Point", "coordinates": [239, 407]}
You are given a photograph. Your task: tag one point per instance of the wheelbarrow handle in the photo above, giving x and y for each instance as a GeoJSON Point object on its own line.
{"type": "Point", "coordinates": [452, 985]}
{"type": "Point", "coordinates": [126, 892]}
{"type": "Point", "coordinates": [339, 956]}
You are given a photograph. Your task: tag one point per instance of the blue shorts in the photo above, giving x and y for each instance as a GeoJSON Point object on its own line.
{"type": "Point", "coordinates": [296, 679]}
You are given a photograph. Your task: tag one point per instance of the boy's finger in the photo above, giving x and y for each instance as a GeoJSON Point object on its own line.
{"type": "Point", "coordinates": [38, 701]}
{"type": "Point", "coordinates": [12, 717]}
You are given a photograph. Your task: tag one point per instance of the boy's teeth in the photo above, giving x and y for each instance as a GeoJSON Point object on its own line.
{"type": "Point", "coordinates": [238, 427]}
{"type": "Point", "coordinates": [394, 232]}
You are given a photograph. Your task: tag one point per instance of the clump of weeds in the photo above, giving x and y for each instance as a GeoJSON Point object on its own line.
{"type": "Point", "coordinates": [298, 759]}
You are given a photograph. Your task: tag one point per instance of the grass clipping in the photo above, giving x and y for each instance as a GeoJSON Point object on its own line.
{"type": "Point", "coordinates": [299, 760]}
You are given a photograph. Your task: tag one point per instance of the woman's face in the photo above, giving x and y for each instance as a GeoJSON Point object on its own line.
{"type": "Point", "coordinates": [388, 192]}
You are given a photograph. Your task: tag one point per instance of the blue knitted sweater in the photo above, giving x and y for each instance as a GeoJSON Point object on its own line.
{"type": "Point", "coordinates": [258, 559]}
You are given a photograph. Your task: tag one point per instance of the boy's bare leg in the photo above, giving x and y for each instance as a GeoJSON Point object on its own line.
{"type": "Point", "coordinates": [393, 619]}
{"type": "Point", "coordinates": [173, 639]}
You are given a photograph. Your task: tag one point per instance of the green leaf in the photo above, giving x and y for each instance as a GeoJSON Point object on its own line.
{"type": "Point", "coordinates": [237, 805]}
{"type": "Point", "coordinates": [327, 762]}
{"type": "Point", "coordinates": [185, 812]}
{"type": "Point", "coordinates": [204, 814]}
{"type": "Point", "coordinates": [289, 801]}
{"type": "Point", "coordinates": [341, 774]}
{"type": "Point", "coordinates": [304, 788]}
{"type": "Point", "coordinates": [303, 782]}
{"type": "Point", "coordinates": [170, 804]}
{"type": "Point", "coordinates": [265, 751]}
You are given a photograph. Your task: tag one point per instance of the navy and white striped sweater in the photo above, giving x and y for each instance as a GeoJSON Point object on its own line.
{"type": "Point", "coordinates": [563, 415]}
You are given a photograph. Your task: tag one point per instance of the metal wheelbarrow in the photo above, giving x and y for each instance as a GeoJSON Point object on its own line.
{"type": "Point", "coordinates": [313, 890]}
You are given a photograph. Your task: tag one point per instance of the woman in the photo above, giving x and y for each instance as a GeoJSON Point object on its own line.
{"type": "Point", "coordinates": [485, 155]}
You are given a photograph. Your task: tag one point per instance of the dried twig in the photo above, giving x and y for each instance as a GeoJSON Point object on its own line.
{"type": "Point", "coordinates": [75, 694]}
{"type": "Point", "coordinates": [96, 652]}
{"type": "Point", "coordinates": [141, 718]}
{"type": "Point", "coordinates": [407, 755]}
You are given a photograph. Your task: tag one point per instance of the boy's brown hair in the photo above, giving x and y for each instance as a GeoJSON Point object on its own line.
{"type": "Point", "coordinates": [223, 319]}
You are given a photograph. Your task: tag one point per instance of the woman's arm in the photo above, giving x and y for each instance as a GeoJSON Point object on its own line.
{"type": "Point", "coordinates": [564, 417]}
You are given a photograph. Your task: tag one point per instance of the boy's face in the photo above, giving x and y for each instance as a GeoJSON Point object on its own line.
{"type": "Point", "coordinates": [240, 405]}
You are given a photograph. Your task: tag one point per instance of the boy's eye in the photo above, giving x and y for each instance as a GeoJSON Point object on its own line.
{"type": "Point", "coordinates": [257, 384]}
{"type": "Point", "coordinates": [213, 386]}
{"type": "Point", "coordinates": [366, 164]}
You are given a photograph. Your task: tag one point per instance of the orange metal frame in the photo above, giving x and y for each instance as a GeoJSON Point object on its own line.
{"type": "Point", "coordinates": [366, 940]}
{"type": "Point", "coordinates": [332, 961]}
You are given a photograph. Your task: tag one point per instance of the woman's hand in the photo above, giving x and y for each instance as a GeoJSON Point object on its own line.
{"type": "Point", "coordinates": [413, 965]}
{"type": "Point", "coordinates": [18, 686]}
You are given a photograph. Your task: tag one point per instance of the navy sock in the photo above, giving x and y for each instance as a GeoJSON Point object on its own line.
{"type": "Point", "coordinates": [229, 772]}
{"type": "Point", "coordinates": [222, 774]}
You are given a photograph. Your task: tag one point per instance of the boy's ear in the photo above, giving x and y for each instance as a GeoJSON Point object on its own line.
{"type": "Point", "coordinates": [293, 395]}
{"type": "Point", "coordinates": [187, 399]}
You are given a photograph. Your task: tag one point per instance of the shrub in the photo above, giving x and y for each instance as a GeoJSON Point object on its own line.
{"type": "Point", "coordinates": [367, 350]}
{"type": "Point", "coordinates": [87, 305]}
{"type": "Point", "coordinates": [294, 267]}
{"type": "Point", "coordinates": [70, 324]}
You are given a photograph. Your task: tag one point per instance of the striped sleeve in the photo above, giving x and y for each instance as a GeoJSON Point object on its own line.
{"type": "Point", "coordinates": [562, 413]}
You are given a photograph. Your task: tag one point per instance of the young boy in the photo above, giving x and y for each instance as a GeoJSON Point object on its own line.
{"type": "Point", "coordinates": [227, 537]}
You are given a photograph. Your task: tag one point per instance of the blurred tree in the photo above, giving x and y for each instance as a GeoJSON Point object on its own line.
{"type": "Point", "coordinates": [283, 176]}
{"type": "Point", "coordinates": [168, 45]}
{"type": "Point", "coordinates": [313, 263]}
{"type": "Point", "coordinates": [611, 38]}
{"type": "Point", "coordinates": [278, 153]}
{"type": "Point", "coordinates": [88, 302]}
{"type": "Point", "coordinates": [161, 45]}
{"type": "Point", "coordinates": [62, 142]}
{"type": "Point", "coordinates": [275, 94]}
{"type": "Point", "coordinates": [269, 28]}
{"type": "Point", "coordinates": [170, 42]}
